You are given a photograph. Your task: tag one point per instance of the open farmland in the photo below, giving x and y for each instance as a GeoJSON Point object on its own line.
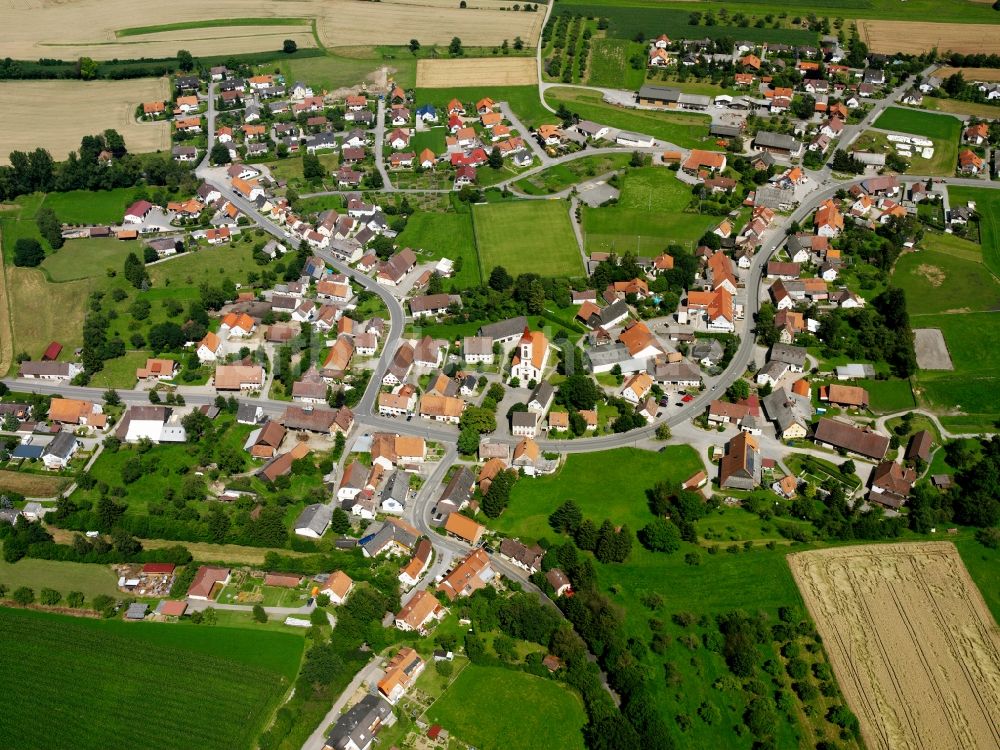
{"type": "Point", "coordinates": [108, 29]}
{"type": "Point", "coordinates": [506, 71]}
{"type": "Point", "coordinates": [971, 74]}
{"type": "Point", "coordinates": [75, 667]}
{"type": "Point", "coordinates": [914, 37]}
{"type": "Point", "coordinates": [527, 237]}
{"type": "Point", "coordinates": [74, 109]}
{"type": "Point", "coordinates": [911, 641]}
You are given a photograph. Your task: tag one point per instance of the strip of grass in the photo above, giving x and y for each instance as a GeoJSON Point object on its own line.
{"type": "Point", "coordinates": [941, 11]}
{"type": "Point", "coordinates": [445, 235]}
{"type": "Point", "coordinates": [211, 24]}
{"type": "Point", "coordinates": [90, 580]}
{"type": "Point", "coordinates": [982, 564]}
{"type": "Point", "coordinates": [687, 130]}
{"type": "Point", "coordinates": [988, 208]}
{"type": "Point", "coordinates": [527, 237]}
{"type": "Point", "coordinates": [86, 670]}
{"type": "Point", "coordinates": [494, 708]}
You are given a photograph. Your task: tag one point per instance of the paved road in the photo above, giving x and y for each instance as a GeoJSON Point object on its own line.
{"type": "Point", "coordinates": [369, 674]}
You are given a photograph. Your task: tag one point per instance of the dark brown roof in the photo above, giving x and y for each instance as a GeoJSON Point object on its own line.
{"type": "Point", "coordinates": [851, 438]}
{"type": "Point", "coordinates": [920, 446]}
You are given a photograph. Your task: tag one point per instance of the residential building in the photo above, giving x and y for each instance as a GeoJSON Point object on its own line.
{"type": "Point", "coordinates": [832, 433]}
{"type": "Point", "coordinates": [419, 612]}
{"type": "Point", "coordinates": [471, 574]}
{"type": "Point", "coordinates": [740, 467]}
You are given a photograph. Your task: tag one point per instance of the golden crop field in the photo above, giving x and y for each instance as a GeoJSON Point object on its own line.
{"type": "Point", "coordinates": [971, 74]}
{"type": "Point", "coordinates": [68, 29]}
{"type": "Point", "coordinates": [917, 37]}
{"type": "Point", "coordinates": [914, 648]}
{"type": "Point", "coordinates": [504, 71]}
{"type": "Point", "coordinates": [56, 114]}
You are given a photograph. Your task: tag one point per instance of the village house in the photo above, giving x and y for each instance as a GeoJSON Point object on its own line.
{"type": "Point", "coordinates": [468, 576]}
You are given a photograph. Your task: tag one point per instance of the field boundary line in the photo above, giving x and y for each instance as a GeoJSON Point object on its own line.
{"type": "Point", "coordinates": [475, 239]}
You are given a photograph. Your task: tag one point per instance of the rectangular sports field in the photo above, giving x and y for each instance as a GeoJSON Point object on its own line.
{"type": "Point", "coordinates": [144, 684]}
{"type": "Point", "coordinates": [527, 237]}
{"type": "Point", "coordinates": [74, 109]}
{"type": "Point", "coordinates": [914, 648]}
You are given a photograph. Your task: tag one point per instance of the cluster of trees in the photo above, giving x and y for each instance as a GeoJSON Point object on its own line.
{"type": "Point", "coordinates": [608, 543]}
{"type": "Point", "coordinates": [33, 171]}
{"type": "Point", "coordinates": [974, 498]}
{"type": "Point", "coordinates": [28, 252]}
{"type": "Point", "coordinates": [497, 497]}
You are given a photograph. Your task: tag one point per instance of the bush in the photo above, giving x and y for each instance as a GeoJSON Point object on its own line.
{"type": "Point", "coordinates": [444, 668]}
{"type": "Point", "coordinates": [50, 597]}
{"type": "Point", "coordinates": [23, 596]}
{"type": "Point", "coordinates": [28, 252]}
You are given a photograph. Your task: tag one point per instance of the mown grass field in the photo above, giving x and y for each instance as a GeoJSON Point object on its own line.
{"type": "Point", "coordinates": [609, 484]}
{"type": "Point", "coordinates": [488, 707]}
{"type": "Point", "coordinates": [432, 138]}
{"type": "Point", "coordinates": [349, 66]}
{"type": "Point", "coordinates": [91, 207]}
{"type": "Point", "coordinates": [527, 237]}
{"type": "Point", "coordinates": [887, 396]}
{"type": "Point", "coordinates": [649, 216]}
{"type": "Point", "coordinates": [967, 397]}
{"type": "Point", "coordinates": [445, 235]}
{"type": "Point", "coordinates": [937, 282]}
{"type": "Point", "coordinates": [686, 130]}
{"type": "Point", "coordinates": [557, 178]}
{"type": "Point", "coordinates": [988, 208]}
{"type": "Point", "coordinates": [86, 258]}
{"type": "Point", "coordinates": [90, 580]}
{"type": "Point", "coordinates": [609, 64]}
{"type": "Point", "coordinates": [85, 671]}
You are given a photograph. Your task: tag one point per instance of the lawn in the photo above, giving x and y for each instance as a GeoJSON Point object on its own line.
{"type": "Point", "coordinates": [91, 207]}
{"type": "Point", "coordinates": [522, 99]}
{"type": "Point", "coordinates": [613, 228]}
{"type": "Point", "coordinates": [527, 237]}
{"type": "Point", "coordinates": [90, 580]}
{"type": "Point", "coordinates": [988, 208]}
{"type": "Point", "coordinates": [937, 282]}
{"type": "Point", "coordinates": [967, 396]}
{"type": "Point", "coordinates": [87, 258]}
{"type": "Point", "coordinates": [609, 64]}
{"type": "Point", "coordinates": [557, 178]}
{"type": "Point", "coordinates": [445, 235]}
{"type": "Point", "coordinates": [682, 129]}
{"type": "Point", "coordinates": [654, 189]}
{"type": "Point", "coordinates": [120, 372]}
{"type": "Point", "coordinates": [432, 138]}
{"type": "Point", "coordinates": [887, 396]}
{"type": "Point", "coordinates": [85, 671]}
{"type": "Point", "coordinates": [493, 708]}
{"type": "Point", "coordinates": [610, 484]}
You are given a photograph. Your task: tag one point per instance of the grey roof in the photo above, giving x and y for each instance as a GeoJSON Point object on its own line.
{"type": "Point", "coordinates": [793, 355]}
{"type": "Point", "coordinates": [523, 419]}
{"type": "Point", "coordinates": [543, 393]}
{"type": "Point", "coordinates": [321, 139]}
{"type": "Point", "coordinates": [694, 100]}
{"type": "Point", "coordinates": [61, 446]}
{"type": "Point", "coordinates": [608, 354]}
{"type": "Point", "coordinates": [846, 372]}
{"type": "Point", "coordinates": [136, 611]}
{"type": "Point", "coordinates": [663, 93]}
{"type": "Point", "coordinates": [397, 487]}
{"type": "Point", "coordinates": [353, 729]}
{"type": "Point", "coordinates": [612, 312]}
{"type": "Point", "coordinates": [707, 349]}
{"type": "Point", "coordinates": [729, 131]}
{"type": "Point", "coordinates": [505, 329]}
{"type": "Point", "coordinates": [767, 139]}
{"type": "Point", "coordinates": [459, 488]}
{"type": "Point", "coordinates": [247, 413]}
{"type": "Point", "coordinates": [388, 533]}
{"type": "Point", "coordinates": [589, 128]}
{"type": "Point", "coordinates": [675, 372]}
{"type": "Point", "coordinates": [315, 517]}
{"type": "Point", "coordinates": [771, 196]}
{"type": "Point", "coordinates": [785, 409]}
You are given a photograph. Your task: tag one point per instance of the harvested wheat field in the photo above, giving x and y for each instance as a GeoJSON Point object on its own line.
{"type": "Point", "coordinates": [57, 114]}
{"type": "Point", "coordinates": [911, 641]}
{"type": "Point", "coordinates": [483, 22]}
{"type": "Point", "coordinates": [68, 29]}
{"type": "Point", "coordinates": [918, 37]}
{"type": "Point", "coordinates": [509, 71]}
{"type": "Point", "coordinates": [971, 74]}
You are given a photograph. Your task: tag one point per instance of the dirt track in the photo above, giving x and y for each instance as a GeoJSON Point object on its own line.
{"type": "Point", "coordinates": [914, 648]}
